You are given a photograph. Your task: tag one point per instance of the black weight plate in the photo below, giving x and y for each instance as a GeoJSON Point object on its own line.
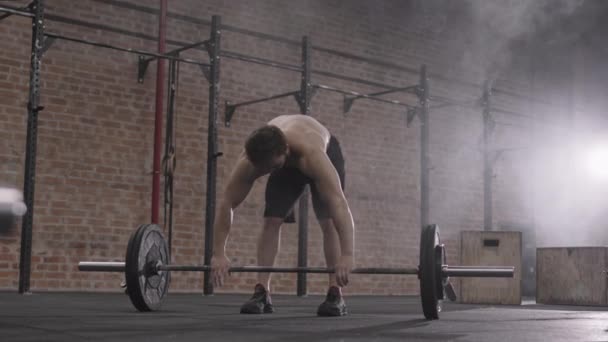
{"type": "Point", "coordinates": [146, 246]}
{"type": "Point", "coordinates": [440, 260]}
{"type": "Point", "coordinates": [429, 239]}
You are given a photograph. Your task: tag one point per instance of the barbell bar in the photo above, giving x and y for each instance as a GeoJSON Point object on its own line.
{"type": "Point", "coordinates": [147, 269]}
{"type": "Point", "coordinates": [448, 271]}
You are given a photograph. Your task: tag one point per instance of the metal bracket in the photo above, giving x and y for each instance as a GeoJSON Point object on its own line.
{"type": "Point", "coordinates": [419, 91]}
{"type": "Point", "coordinates": [206, 72]}
{"type": "Point", "coordinates": [411, 114]}
{"type": "Point", "coordinates": [229, 113]}
{"type": "Point", "coordinates": [47, 42]}
{"type": "Point", "coordinates": [142, 66]}
{"type": "Point", "coordinates": [35, 110]}
{"type": "Point", "coordinates": [301, 101]}
{"type": "Point", "coordinates": [312, 93]}
{"type": "Point", "coordinates": [208, 47]}
{"type": "Point", "coordinates": [298, 97]}
{"type": "Point", "coordinates": [5, 15]}
{"type": "Point", "coordinates": [348, 103]}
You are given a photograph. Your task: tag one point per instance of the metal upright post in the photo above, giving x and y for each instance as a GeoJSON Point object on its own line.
{"type": "Point", "coordinates": [423, 96]}
{"type": "Point", "coordinates": [33, 107]}
{"type": "Point", "coordinates": [488, 169]}
{"type": "Point", "coordinates": [169, 159]}
{"type": "Point", "coordinates": [305, 96]}
{"type": "Point", "coordinates": [212, 154]}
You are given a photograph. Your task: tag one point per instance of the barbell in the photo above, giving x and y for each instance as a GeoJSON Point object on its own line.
{"type": "Point", "coordinates": [147, 270]}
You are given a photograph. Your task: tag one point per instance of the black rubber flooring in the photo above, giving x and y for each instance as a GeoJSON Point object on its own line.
{"type": "Point", "coordinates": [192, 317]}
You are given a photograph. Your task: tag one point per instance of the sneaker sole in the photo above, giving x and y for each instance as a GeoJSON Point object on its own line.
{"type": "Point", "coordinates": [332, 313]}
{"type": "Point", "coordinates": [267, 309]}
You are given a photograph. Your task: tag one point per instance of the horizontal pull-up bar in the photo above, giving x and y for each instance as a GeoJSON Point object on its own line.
{"type": "Point", "coordinates": [443, 102]}
{"type": "Point", "coordinates": [262, 61]}
{"type": "Point", "coordinates": [265, 99]}
{"type": "Point", "coordinates": [348, 101]}
{"type": "Point", "coordinates": [144, 62]}
{"type": "Point", "coordinates": [180, 49]}
{"type": "Point", "coordinates": [129, 50]}
{"type": "Point", "coordinates": [508, 112]}
{"type": "Point", "coordinates": [411, 89]}
{"type": "Point", "coordinates": [348, 92]}
{"type": "Point", "coordinates": [231, 108]}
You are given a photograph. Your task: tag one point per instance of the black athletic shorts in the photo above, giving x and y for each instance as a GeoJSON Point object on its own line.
{"type": "Point", "coordinates": [285, 186]}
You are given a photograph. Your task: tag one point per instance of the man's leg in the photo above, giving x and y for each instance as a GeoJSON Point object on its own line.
{"type": "Point", "coordinates": [331, 240]}
{"type": "Point", "coordinates": [268, 247]}
{"type": "Point", "coordinates": [334, 304]}
{"type": "Point", "coordinates": [282, 190]}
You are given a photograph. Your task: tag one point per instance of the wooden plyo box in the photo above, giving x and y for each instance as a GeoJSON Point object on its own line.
{"type": "Point", "coordinates": [571, 275]}
{"type": "Point", "coordinates": [491, 248]}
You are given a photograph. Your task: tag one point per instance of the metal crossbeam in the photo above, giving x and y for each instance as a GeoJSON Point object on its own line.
{"type": "Point", "coordinates": [129, 50]}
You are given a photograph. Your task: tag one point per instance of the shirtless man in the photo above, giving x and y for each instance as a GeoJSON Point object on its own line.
{"type": "Point", "coordinates": [296, 150]}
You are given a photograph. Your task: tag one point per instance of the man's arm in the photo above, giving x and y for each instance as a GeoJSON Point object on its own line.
{"type": "Point", "coordinates": [318, 167]}
{"type": "Point", "coordinates": [239, 184]}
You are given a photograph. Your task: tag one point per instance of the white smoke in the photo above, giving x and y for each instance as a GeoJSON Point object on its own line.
{"type": "Point", "coordinates": [495, 27]}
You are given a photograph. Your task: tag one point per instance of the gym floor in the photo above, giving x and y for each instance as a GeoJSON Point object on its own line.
{"type": "Point", "coordinates": [191, 317]}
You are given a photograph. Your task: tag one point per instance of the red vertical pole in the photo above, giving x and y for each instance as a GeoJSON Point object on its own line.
{"type": "Point", "coordinates": [158, 123]}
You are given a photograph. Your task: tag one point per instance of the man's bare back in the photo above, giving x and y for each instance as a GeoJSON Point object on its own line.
{"type": "Point", "coordinates": [303, 132]}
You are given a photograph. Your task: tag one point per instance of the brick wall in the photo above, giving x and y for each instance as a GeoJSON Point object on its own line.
{"type": "Point", "coordinates": [93, 181]}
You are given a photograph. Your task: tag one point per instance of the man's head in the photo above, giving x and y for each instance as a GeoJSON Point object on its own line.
{"type": "Point", "coordinates": [266, 148]}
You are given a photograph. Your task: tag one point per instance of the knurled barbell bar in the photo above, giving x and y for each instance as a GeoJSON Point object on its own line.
{"type": "Point", "coordinates": [147, 270]}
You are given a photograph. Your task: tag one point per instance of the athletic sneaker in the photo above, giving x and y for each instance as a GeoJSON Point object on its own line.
{"type": "Point", "coordinates": [259, 303]}
{"type": "Point", "coordinates": [333, 305]}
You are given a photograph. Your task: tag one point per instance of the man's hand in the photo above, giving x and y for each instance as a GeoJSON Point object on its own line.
{"type": "Point", "coordinates": [343, 269]}
{"type": "Point", "coordinates": [219, 269]}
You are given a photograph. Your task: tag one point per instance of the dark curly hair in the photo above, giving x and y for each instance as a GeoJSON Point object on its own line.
{"type": "Point", "coordinates": [265, 143]}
